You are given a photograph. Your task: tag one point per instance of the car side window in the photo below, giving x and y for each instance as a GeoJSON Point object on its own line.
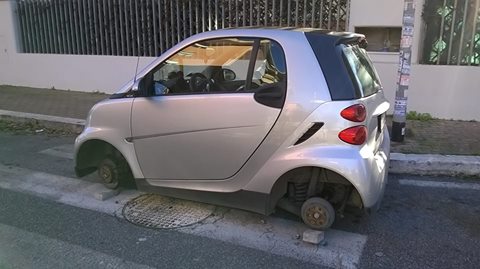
{"type": "Point", "coordinates": [270, 66]}
{"type": "Point", "coordinates": [212, 66]}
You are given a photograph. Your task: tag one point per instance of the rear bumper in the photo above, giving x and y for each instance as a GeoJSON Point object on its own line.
{"type": "Point", "coordinates": [378, 166]}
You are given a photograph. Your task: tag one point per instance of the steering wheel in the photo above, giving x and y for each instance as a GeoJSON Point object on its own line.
{"type": "Point", "coordinates": [199, 82]}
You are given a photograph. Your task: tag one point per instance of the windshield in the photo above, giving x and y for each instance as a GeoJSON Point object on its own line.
{"type": "Point", "coordinates": [361, 69]}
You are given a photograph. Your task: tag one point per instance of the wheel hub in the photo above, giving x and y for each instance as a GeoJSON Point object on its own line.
{"type": "Point", "coordinates": [106, 174]}
{"type": "Point", "coordinates": [316, 215]}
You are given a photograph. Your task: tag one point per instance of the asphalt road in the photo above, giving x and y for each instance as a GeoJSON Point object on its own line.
{"type": "Point", "coordinates": [416, 227]}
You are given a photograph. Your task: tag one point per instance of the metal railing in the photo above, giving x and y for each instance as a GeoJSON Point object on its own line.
{"type": "Point", "coordinates": [149, 27]}
{"type": "Point", "coordinates": [452, 34]}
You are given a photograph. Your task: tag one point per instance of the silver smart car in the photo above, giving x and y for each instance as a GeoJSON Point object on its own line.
{"type": "Point", "coordinates": [249, 118]}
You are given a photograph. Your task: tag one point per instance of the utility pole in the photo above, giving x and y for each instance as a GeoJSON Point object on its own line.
{"type": "Point", "coordinates": [404, 67]}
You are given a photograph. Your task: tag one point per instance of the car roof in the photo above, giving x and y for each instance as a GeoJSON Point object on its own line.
{"type": "Point", "coordinates": [265, 30]}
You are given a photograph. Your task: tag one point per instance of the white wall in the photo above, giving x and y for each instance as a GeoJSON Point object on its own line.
{"type": "Point", "coordinates": [74, 72]}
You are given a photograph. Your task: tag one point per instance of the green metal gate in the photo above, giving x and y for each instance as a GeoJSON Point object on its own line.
{"type": "Point", "coordinates": [149, 27]}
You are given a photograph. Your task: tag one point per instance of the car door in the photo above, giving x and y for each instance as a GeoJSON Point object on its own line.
{"type": "Point", "coordinates": [203, 115]}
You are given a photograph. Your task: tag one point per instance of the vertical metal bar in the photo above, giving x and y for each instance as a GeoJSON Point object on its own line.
{"type": "Point", "coordinates": [321, 14]}
{"type": "Point", "coordinates": [135, 25]}
{"type": "Point", "coordinates": [121, 21]}
{"type": "Point", "coordinates": [97, 22]}
{"type": "Point", "coordinates": [155, 33]}
{"type": "Point", "coordinates": [251, 13]}
{"type": "Point", "coordinates": [178, 23]}
{"type": "Point", "coordinates": [53, 28]}
{"type": "Point", "coordinates": [160, 28]}
{"type": "Point", "coordinates": [138, 33]}
{"type": "Point", "coordinates": [273, 11]}
{"type": "Point", "coordinates": [244, 15]}
{"type": "Point", "coordinates": [462, 33]}
{"type": "Point", "coordinates": [172, 24]}
{"type": "Point", "coordinates": [304, 13]}
{"type": "Point", "coordinates": [296, 13]}
{"type": "Point", "coordinates": [197, 23]}
{"type": "Point", "coordinates": [258, 13]}
{"type": "Point", "coordinates": [29, 29]}
{"type": "Point", "coordinates": [338, 17]}
{"type": "Point", "coordinates": [347, 16]}
{"type": "Point", "coordinates": [474, 28]}
{"type": "Point", "coordinates": [144, 51]}
{"type": "Point", "coordinates": [209, 16]}
{"type": "Point", "coordinates": [43, 18]}
{"type": "Point", "coordinates": [21, 18]}
{"type": "Point", "coordinates": [85, 30]}
{"type": "Point", "coordinates": [167, 29]}
{"type": "Point", "coordinates": [265, 15]}
{"type": "Point", "coordinates": [223, 14]}
{"type": "Point", "coordinates": [59, 27]}
{"type": "Point", "coordinates": [19, 11]}
{"type": "Point", "coordinates": [106, 29]}
{"type": "Point", "coordinates": [190, 13]}
{"type": "Point", "coordinates": [38, 25]}
{"type": "Point", "coordinates": [66, 34]}
{"type": "Point", "coordinates": [289, 12]}
{"type": "Point", "coordinates": [116, 14]}
{"type": "Point", "coordinates": [216, 14]}
{"type": "Point", "coordinates": [452, 31]}
{"type": "Point", "coordinates": [184, 18]}
{"type": "Point", "coordinates": [46, 23]}
{"type": "Point", "coordinates": [314, 2]}
{"type": "Point", "coordinates": [442, 24]}
{"type": "Point", "coordinates": [329, 15]}
{"type": "Point", "coordinates": [146, 32]}
{"type": "Point", "coordinates": [236, 13]}
{"type": "Point", "coordinates": [44, 15]}
{"type": "Point", "coordinates": [78, 25]}
{"type": "Point", "coordinates": [73, 35]}
{"type": "Point", "coordinates": [125, 30]}
{"type": "Point", "coordinates": [42, 28]}
{"type": "Point", "coordinates": [110, 30]}
{"type": "Point", "coordinates": [32, 27]}
{"type": "Point", "coordinates": [203, 15]}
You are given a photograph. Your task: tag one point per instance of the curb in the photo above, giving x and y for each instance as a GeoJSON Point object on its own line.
{"type": "Point", "coordinates": [75, 125]}
{"type": "Point", "coordinates": [435, 165]}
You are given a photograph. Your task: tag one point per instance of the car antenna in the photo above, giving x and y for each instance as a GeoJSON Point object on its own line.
{"type": "Point", "coordinates": [136, 69]}
{"type": "Point", "coordinates": [138, 59]}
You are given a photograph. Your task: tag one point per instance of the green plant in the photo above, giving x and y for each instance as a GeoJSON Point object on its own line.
{"type": "Point", "coordinates": [414, 115]}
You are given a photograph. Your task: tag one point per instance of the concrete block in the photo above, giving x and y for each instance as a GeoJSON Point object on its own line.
{"type": "Point", "coordinates": [104, 194]}
{"type": "Point", "coordinates": [313, 236]}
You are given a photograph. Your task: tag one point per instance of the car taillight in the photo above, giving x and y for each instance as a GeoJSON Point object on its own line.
{"type": "Point", "coordinates": [355, 135]}
{"type": "Point", "coordinates": [355, 113]}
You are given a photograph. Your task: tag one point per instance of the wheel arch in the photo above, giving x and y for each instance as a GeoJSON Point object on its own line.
{"type": "Point", "coordinates": [91, 153]}
{"type": "Point", "coordinates": [305, 174]}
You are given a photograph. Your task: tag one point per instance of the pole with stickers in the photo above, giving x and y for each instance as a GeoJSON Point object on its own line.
{"type": "Point", "coordinates": [404, 67]}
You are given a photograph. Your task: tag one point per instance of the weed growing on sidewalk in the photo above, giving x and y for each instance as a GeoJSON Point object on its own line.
{"type": "Point", "coordinates": [33, 127]}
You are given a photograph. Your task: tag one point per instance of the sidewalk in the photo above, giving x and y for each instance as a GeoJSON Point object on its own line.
{"type": "Point", "coordinates": [435, 147]}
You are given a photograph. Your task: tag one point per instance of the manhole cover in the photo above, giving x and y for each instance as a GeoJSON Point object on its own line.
{"type": "Point", "coordinates": [155, 211]}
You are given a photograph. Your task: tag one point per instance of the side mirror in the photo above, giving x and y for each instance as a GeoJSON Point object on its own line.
{"type": "Point", "coordinates": [136, 86]}
{"type": "Point", "coordinates": [228, 75]}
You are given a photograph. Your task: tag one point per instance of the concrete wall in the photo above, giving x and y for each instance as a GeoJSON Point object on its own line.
{"type": "Point", "coordinates": [74, 72]}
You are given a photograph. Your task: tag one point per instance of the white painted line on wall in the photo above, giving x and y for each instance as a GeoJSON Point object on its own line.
{"type": "Point", "coordinates": [41, 117]}
{"type": "Point", "coordinates": [274, 235]}
{"type": "Point", "coordinates": [62, 151]}
{"type": "Point", "coordinates": [436, 184]}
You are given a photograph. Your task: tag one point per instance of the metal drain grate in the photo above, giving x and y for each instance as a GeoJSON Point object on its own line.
{"type": "Point", "coordinates": [155, 211]}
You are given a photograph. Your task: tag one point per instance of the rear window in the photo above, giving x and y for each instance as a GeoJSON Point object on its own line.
{"type": "Point", "coordinates": [361, 69]}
